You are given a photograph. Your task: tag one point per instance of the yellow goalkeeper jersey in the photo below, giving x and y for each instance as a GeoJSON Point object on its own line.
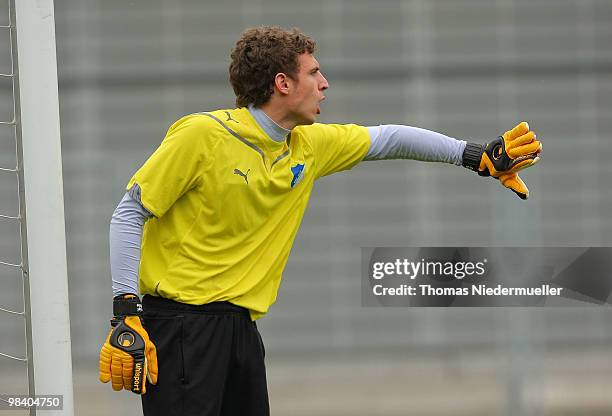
{"type": "Point", "coordinates": [227, 202]}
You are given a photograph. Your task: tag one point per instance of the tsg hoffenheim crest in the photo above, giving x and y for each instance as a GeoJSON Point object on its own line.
{"type": "Point", "coordinates": [298, 173]}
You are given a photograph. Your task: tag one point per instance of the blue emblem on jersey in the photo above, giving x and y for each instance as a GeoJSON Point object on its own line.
{"type": "Point", "coordinates": [297, 170]}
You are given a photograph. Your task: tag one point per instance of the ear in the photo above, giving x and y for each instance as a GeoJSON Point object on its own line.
{"type": "Point", "coordinates": [281, 83]}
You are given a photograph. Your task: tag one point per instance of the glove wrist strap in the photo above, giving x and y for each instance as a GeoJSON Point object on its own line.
{"type": "Point", "coordinates": [472, 155]}
{"type": "Point", "coordinates": [126, 304]}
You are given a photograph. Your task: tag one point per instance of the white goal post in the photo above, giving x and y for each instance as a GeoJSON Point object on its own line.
{"type": "Point", "coordinates": [32, 26]}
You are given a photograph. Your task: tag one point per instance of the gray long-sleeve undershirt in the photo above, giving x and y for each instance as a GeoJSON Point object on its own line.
{"type": "Point", "coordinates": [386, 142]}
{"type": "Point", "coordinates": [125, 237]}
{"type": "Point", "coordinates": [392, 141]}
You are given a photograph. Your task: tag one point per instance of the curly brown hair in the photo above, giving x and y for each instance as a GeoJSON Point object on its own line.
{"type": "Point", "coordinates": [260, 54]}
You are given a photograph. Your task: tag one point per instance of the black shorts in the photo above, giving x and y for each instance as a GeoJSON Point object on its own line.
{"type": "Point", "coordinates": [211, 360]}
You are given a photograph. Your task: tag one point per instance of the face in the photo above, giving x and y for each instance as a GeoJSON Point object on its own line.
{"type": "Point", "coordinates": [304, 100]}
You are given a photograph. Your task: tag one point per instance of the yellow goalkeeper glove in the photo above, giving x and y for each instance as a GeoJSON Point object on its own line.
{"type": "Point", "coordinates": [128, 355]}
{"type": "Point", "coordinates": [503, 157]}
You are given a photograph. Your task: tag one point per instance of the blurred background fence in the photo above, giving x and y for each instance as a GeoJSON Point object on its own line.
{"type": "Point", "coordinates": [467, 68]}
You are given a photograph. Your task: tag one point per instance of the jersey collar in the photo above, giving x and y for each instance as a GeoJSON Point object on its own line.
{"type": "Point", "coordinates": [269, 126]}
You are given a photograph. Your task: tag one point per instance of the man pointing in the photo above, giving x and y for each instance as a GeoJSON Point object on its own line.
{"type": "Point", "coordinates": [205, 228]}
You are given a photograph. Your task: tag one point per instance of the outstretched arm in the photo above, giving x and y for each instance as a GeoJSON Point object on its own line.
{"type": "Point", "coordinates": [501, 158]}
{"type": "Point", "coordinates": [405, 142]}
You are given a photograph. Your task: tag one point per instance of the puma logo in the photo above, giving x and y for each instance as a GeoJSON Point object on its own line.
{"type": "Point", "coordinates": [229, 117]}
{"type": "Point", "coordinates": [244, 175]}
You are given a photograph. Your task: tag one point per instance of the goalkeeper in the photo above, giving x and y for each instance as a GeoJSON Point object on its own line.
{"type": "Point", "coordinates": [205, 228]}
